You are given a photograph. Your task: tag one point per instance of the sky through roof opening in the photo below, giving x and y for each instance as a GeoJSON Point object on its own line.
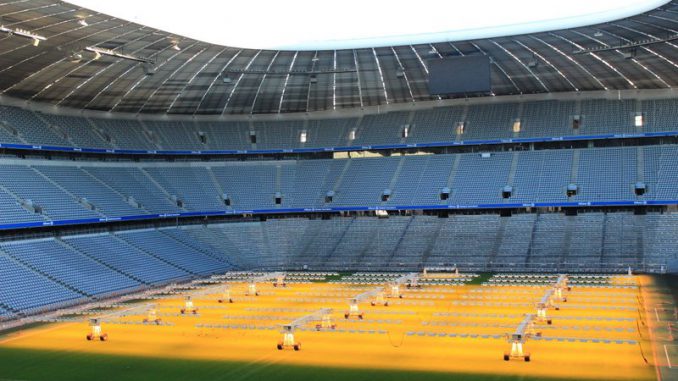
{"type": "Point", "coordinates": [350, 24]}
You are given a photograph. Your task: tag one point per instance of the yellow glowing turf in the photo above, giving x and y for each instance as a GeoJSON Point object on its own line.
{"type": "Point", "coordinates": [394, 350]}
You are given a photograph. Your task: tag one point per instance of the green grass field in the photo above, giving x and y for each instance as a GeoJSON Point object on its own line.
{"type": "Point", "coordinates": [34, 365]}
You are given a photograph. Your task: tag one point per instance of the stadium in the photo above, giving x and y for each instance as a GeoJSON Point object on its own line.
{"type": "Point", "coordinates": [358, 191]}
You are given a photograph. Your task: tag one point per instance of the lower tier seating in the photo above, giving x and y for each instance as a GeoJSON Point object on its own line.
{"type": "Point", "coordinates": [49, 272]}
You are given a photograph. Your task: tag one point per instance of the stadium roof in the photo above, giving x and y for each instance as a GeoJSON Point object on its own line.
{"type": "Point", "coordinates": [90, 60]}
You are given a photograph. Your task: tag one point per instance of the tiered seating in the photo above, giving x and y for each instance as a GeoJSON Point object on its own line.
{"type": "Point", "coordinates": [5, 314]}
{"type": "Point", "coordinates": [607, 174]}
{"type": "Point", "coordinates": [660, 115]}
{"type": "Point", "coordinates": [25, 290]}
{"type": "Point", "coordinates": [125, 133]}
{"type": "Point", "coordinates": [586, 240]}
{"type": "Point", "coordinates": [27, 184]}
{"type": "Point", "coordinates": [174, 252]}
{"type": "Point", "coordinates": [490, 121]}
{"type": "Point", "coordinates": [314, 178]}
{"type": "Point", "coordinates": [479, 179]}
{"type": "Point", "coordinates": [666, 171]}
{"type": "Point", "coordinates": [250, 242]}
{"type": "Point", "coordinates": [79, 183]}
{"type": "Point", "coordinates": [67, 191]}
{"type": "Point", "coordinates": [69, 267]}
{"type": "Point", "coordinates": [248, 185]}
{"type": "Point", "coordinates": [542, 176]}
{"type": "Point", "coordinates": [271, 135]}
{"type": "Point", "coordinates": [45, 272]}
{"type": "Point", "coordinates": [78, 130]}
{"type": "Point", "coordinates": [549, 243]}
{"type": "Point", "coordinates": [183, 236]}
{"type": "Point", "coordinates": [623, 240]}
{"type": "Point", "coordinates": [329, 132]}
{"type": "Point", "coordinates": [434, 177]}
{"type": "Point", "coordinates": [126, 258]}
{"type": "Point", "coordinates": [288, 172]}
{"type": "Point", "coordinates": [482, 121]}
{"type": "Point", "coordinates": [547, 118]}
{"type": "Point", "coordinates": [193, 186]}
{"type": "Point", "coordinates": [661, 238]}
{"type": "Point", "coordinates": [223, 136]}
{"type": "Point", "coordinates": [131, 182]}
{"type": "Point", "coordinates": [324, 238]}
{"type": "Point", "coordinates": [381, 128]}
{"type": "Point", "coordinates": [30, 127]}
{"type": "Point", "coordinates": [12, 212]}
{"type": "Point", "coordinates": [457, 241]}
{"type": "Point", "coordinates": [436, 125]}
{"type": "Point", "coordinates": [409, 178]}
{"type": "Point", "coordinates": [365, 181]}
{"type": "Point", "coordinates": [602, 116]}
{"type": "Point", "coordinates": [372, 244]}
{"type": "Point", "coordinates": [414, 242]}
{"type": "Point", "coordinates": [174, 135]}
{"type": "Point", "coordinates": [515, 242]}
{"type": "Point", "coordinates": [210, 237]}
{"type": "Point", "coordinates": [8, 133]}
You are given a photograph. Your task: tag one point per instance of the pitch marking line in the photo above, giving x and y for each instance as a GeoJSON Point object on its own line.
{"type": "Point", "coordinates": [668, 359]}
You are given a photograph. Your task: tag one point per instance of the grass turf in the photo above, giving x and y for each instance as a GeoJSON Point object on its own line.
{"type": "Point", "coordinates": [41, 365]}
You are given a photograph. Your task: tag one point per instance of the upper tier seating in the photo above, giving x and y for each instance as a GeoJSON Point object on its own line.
{"type": "Point", "coordinates": [481, 121]}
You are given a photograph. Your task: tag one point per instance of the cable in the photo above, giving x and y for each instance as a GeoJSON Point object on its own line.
{"type": "Point", "coordinates": [390, 339]}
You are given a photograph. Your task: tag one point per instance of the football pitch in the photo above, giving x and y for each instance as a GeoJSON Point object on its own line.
{"type": "Point", "coordinates": [456, 327]}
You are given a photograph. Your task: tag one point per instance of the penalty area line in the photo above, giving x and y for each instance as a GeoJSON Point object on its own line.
{"type": "Point", "coordinates": [668, 359]}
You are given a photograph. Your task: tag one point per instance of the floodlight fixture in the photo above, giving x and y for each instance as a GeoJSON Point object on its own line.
{"type": "Point", "coordinates": [98, 52]}
{"type": "Point", "coordinates": [23, 33]}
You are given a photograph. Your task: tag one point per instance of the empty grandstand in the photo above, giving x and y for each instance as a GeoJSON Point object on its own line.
{"type": "Point", "coordinates": [143, 172]}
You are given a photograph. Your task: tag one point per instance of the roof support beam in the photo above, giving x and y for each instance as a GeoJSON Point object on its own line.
{"type": "Point", "coordinates": [214, 80]}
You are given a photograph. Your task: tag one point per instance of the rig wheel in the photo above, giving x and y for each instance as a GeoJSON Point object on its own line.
{"type": "Point", "coordinates": [360, 316]}
{"type": "Point", "coordinates": [183, 311]}
{"type": "Point", "coordinates": [527, 358]}
{"type": "Point", "coordinates": [346, 316]}
{"type": "Point", "coordinates": [506, 357]}
{"type": "Point", "coordinates": [297, 347]}
{"type": "Point", "coordinates": [549, 322]}
{"type": "Point", "coordinates": [103, 337]}
{"type": "Point", "coordinates": [89, 337]}
{"type": "Point", "coordinates": [279, 346]}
